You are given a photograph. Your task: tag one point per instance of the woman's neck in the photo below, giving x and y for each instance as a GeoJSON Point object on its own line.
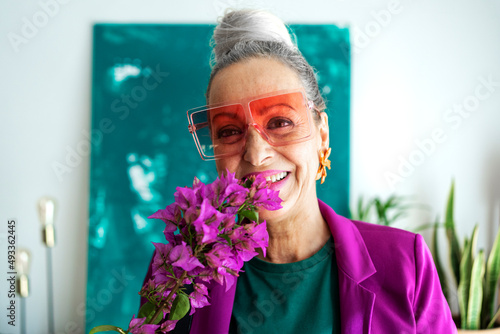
{"type": "Point", "coordinates": [296, 239]}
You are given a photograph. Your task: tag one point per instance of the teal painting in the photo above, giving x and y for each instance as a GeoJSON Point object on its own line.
{"type": "Point", "coordinates": [145, 78]}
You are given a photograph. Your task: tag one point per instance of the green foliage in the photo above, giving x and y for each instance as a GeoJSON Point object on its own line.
{"type": "Point", "coordinates": [106, 328]}
{"type": "Point", "coordinates": [492, 277]}
{"type": "Point", "coordinates": [180, 307]}
{"type": "Point", "coordinates": [147, 311]}
{"type": "Point", "coordinates": [476, 278]}
{"type": "Point", "coordinates": [362, 211]}
{"type": "Point", "coordinates": [465, 273]}
{"type": "Point", "coordinates": [253, 215]}
{"type": "Point", "coordinates": [449, 224]}
{"type": "Point", "coordinates": [475, 293]}
{"type": "Point", "coordinates": [386, 212]}
{"type": "Point", "coordinates": [437, 261]}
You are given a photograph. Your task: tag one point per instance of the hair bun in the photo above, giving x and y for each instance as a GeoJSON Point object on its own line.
{"type": "Point", "coordinates": [247, 25]}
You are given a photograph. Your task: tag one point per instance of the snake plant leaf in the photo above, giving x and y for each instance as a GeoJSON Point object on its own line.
{"type": "Point", "coordinates": [455, 251]}
{"type": "Point", "coordinates": [465, 274]}
{"type": "Point", "coordinates": [476, 292]}
{"type": "Point", "coordinates": [492, 276]}
{"type": "Point", "coordinates": [437, 262]}
{"type": "Point", "coordinates": [464, 284]}
{"type": "Point", "coordinates": [493, 319]}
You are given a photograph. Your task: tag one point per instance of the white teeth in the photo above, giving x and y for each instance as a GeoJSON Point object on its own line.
{"type": "Point", "coordinates": [277, 177]}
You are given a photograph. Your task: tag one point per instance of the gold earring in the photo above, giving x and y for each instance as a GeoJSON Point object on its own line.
{"type": "Point", "coordinates": [323, 164]}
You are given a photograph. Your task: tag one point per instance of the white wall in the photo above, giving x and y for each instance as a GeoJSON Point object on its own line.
{"type": "Point", "coordinates": [427, 57]}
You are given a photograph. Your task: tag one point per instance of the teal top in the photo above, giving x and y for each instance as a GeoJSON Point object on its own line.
{"type": "Point", "coordinates": [293, 298]}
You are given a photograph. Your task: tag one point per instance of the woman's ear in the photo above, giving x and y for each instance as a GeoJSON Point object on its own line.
{"type": "Point", "coordinates": [324, 131]}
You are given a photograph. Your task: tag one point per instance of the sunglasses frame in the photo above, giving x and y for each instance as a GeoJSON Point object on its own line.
{"type": "Point", "coordinates": [245, 103]}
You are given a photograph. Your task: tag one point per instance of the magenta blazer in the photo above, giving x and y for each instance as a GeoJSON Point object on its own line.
{"type": "Point", "coordinates": [387, 283]}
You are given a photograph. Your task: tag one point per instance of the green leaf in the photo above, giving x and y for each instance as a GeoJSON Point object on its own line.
{"type": "Point", "coordinates": [455, 252]}
{"type": "Point", "coordinates": [492, 276]}
{"type": "Point", "coordinates": [248, 183]}
{"type": "Point", "coordinates": [437, 262]}
{"type": "Point", "coordinates": [465, 275]}
{"type": "Point", "coordinates": [425, 227]}
{"type": "Point", "coordinates": [250, 214]}
{"type": "Point", "coordinates": [476, 292]}
{"type": "Point", "coordinates": [106, 328]}
{"type": "Point", "coordinates": [180, 307]}
{"type": "Point", "coordinates": [493, 319]}
{"type": "Point", "coordinates": [392, 202]}
{"type": "Point", "coordinates": [227, 238]}
{"type": "Point", "coordinates": [147, 311]}
{"type": "Point", "coordinates": [363, 212]}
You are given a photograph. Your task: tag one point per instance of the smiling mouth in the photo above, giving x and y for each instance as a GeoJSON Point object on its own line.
{"type": "Point", "coordinates": [276, 177]}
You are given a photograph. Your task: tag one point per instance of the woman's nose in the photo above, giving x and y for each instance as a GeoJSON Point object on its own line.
{"type": "Point", "coordinates": [257, 149]}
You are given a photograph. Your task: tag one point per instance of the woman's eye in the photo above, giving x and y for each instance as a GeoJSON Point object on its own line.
{"type": "Point", "coordinates": [276, 123]}
{"type": "Point", "coordinates": [228, 132]}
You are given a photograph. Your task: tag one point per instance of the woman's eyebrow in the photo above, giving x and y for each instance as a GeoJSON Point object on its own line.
{"type": "Point", "coordinates": [225, 113]}
{"type": "Point", "coordinates": [266, 108]}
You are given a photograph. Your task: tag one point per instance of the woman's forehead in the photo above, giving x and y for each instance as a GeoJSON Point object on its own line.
{"type": "Point", "coordinates": [253, 77]}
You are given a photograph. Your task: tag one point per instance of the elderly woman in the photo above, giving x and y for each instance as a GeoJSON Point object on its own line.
{"type": "Point", "coordinates": [322, 273]}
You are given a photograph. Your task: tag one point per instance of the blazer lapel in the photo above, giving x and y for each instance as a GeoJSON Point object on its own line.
{"type": "Point", "coordinates": [355, 266]}
{"type": "Point", "coordinates": [356, 306]}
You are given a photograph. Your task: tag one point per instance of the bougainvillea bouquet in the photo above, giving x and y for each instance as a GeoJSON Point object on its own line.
{"type": "Point", "coordinates": [211, 230]}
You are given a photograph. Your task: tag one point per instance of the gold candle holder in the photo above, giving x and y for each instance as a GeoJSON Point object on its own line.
{"type": "Point", "coordinates": [23, 262]}
{"type": "Point", "coordinates": [46, 210]}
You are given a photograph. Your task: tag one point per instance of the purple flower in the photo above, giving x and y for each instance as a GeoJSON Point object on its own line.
{"type": "Point", "coordinates": [161, 255]}
{"type": "Point", "coordinates": [217, 254]}
{"type": "Point", "coordinates": [204, 191]}
{"type": "Point", "coordinates": [267, 199]}
{"type": "Point", "coordinates": [174, 239]}
{"type": "Point", "coordinates": [170, 215]}
{"type": "Point", "coordinates": [207, 223]}
{"type": "Point", "coordinates": [228, 222]}
{"type": "Point", "coordinates": [245, 251]}
{"type": "Point", "coordinates": [237, 234]}
{"type": "Point", "coordinates": [168, 326]}
{"type": "Point", "coordinates": [137, 326]}
{"type": "Point", "coordinates": [221, 274]}
{"type": "Point", "coordinates": [259, 236]}
{"type": "Point", "coordinates": [235, 194]}
{"type": "Point", "coordinates": [229, 268]}
{"type": "Point", "coordinates": [225, 185]}
{"type": "Point", "coordinates": [198, 297]}
{"type": "Point", "coordinates": [185, 197]}
{"type": "Point", "coordinates": [259, 182]}
{"type": "Point", "coordinates": [203, 218]}
{"type": "Point", "coordinates": [182, 256]}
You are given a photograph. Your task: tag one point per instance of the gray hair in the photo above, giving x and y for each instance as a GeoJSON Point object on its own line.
{"type": "Point", "coordinates": [245, 34]}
